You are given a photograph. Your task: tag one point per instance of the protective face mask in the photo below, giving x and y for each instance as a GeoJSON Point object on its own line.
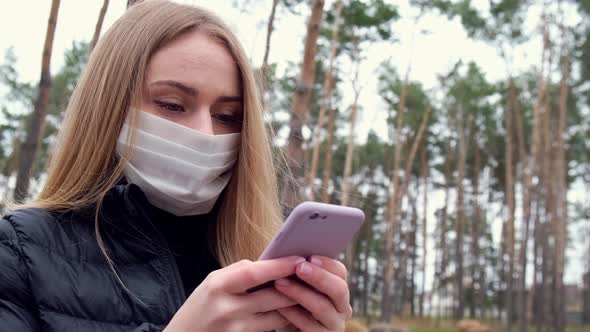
{"type": "Point", "coordinates": [179, 169]}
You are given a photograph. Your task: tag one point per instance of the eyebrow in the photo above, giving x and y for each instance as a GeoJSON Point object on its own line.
{"type": "Point", "coordinates": [186, 89]}
{"type": "Point", "coordinates": [229, 99]}
{"type": "Point", "coordinates": [193, 92]}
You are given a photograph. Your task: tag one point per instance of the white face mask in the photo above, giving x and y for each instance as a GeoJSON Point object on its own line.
{"type": "Point", "coordinates": [179, 169]}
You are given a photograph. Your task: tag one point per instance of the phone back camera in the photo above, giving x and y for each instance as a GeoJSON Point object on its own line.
{"type": "Point", "coordinates": [314, 215]}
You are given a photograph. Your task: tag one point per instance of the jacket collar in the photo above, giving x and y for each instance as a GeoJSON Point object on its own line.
{"type": "Point", "coordinates": [126, 216]}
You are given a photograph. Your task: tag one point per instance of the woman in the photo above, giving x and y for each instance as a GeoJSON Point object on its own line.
{"type": "Point", "coordinates": [158, 194]}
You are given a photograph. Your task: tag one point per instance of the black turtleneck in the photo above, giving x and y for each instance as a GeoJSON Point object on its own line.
{"type": "Point", "coordinates": [188, 239]}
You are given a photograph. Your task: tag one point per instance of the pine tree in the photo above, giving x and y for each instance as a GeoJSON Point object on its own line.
{"type": "Point", "coordinates": [30, 148]}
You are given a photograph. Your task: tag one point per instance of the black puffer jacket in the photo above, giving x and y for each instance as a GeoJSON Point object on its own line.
{"type": "Point", "coordinates": [54, 277]}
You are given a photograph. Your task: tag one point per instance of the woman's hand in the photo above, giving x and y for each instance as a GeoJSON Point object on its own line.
{"type": "Point", "coordinates": [324, 301]}
{"type": "Point", "coordinates": [221, 302]}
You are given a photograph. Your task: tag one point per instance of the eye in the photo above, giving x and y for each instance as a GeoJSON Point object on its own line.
{"type": "Point", "coordinates": [229, 119]}
{"type": "Point", "coordinates": [169, 107]}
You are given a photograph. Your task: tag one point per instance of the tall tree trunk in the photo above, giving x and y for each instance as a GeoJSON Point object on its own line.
{"type": "Point", "coordinates": [476, 270]}
{"type": "Point", "coordinates": [386, 305]}
{"type": "Point", "coordinates": [534, 168]}
{"type": "Point", "coordinates": [560, 168]}
{"type": "Point", "coordinates": [328, 157]}
{"type": "Point", "coordinates": [424, 162]}
{"type": "Point", "coordinates": [510, 201]}
{"type": "Point", "coordinates": [526, 186]}
{"type": "Point", "coordinates": [301, 100]}
{"type": "Point", "coordinates": [460, 213]}
{"type": "Point", "coordinates": [354, 271]}
{"type": "Point", "coordinates": [368, 239]}
{"type": "Point", "coordinates": [98, 27]}
{"type": "Point", "coordinates": [545, 274]}
{"type": "Point", "coordinates": [538, 298]}
{"type": "Point", "coordinates": [417, 142]}
{"type": "Point", "coordinates": [549, 203]}
{"type": "Point", "coordinates": [413, 251]}
{"type": "Point", "coordinates": [551, 193]}
{"type": "Point", "coordinates": [348, 161]}
{"type": "Point", "coordinates": [326, 102]}
{"type": "Point", "coordinates": [30, 147]}
{"type": "Point", "coordinates": [501, 300]}
{"type": "Point", "coordinates": [485, 309]}
{"type": "Point", "coordinates": [269, 30]}
{"type": "Point", "coordinates": [445, 252]}
{"type": "Point", "coordinates": [401, 273]}
{"type": "Point", "coordinates": [435, 312]}
{"type": "Point", "coordinates": [399, 190]}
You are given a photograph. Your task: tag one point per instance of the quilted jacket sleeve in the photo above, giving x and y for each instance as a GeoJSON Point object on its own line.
{"type": "Point", "coordinates": [17, 311]}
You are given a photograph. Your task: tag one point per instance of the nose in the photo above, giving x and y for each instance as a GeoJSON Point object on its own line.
{"type": "Point", "coordinates": [202, 121]}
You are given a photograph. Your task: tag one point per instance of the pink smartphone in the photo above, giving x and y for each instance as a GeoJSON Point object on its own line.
{"type": "Point", "coordinates": [315, 229]}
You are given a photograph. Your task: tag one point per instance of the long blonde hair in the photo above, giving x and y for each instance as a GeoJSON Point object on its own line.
{"type": "Point", "coordinates": [85, 165]}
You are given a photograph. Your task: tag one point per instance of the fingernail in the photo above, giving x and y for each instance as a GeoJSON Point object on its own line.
{"type": "Point", "coordinates": [305, 268]}
{"type": "Point", "coordinates": [299, 260]}
{"type": "Point", "coordinates": [282, 282]}
{"type": "Point", "coordinates": [316, 261]}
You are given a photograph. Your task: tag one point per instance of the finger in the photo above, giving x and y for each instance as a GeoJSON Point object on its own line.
{"type": "Point", "coordinates": [268, 321]}
{"type": "Point", "coordinates": [318, 305]}
{"type": "Point", "coordinates": [331, 265]}
{"type": "Point", "coordinates": [265, 300]}
{"type": "Point", "coordinates": [249, 274]}
{"type": "Point", "coordinates": [216, 273]}
{"type": "Point", "coordinates": [289, 328]}
{"type": "Point", "coordinates": [301, 319]}
{"type": "Point", "coordinates": [327, 283]}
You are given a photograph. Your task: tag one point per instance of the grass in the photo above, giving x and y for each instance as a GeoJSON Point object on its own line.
{"type": "Point", "coordinates": [585, 328]}
{"type": "Point", "coordinates": [416, 324]}
{"type": "Point", "coordinates": [444, 325]}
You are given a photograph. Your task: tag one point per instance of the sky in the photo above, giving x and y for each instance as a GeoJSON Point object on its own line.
{"type": "Point", "coordinates": [433, 45]}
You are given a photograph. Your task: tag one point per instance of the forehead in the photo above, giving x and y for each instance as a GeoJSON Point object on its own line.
{"type": "Point", "coordinates": [198, 60]}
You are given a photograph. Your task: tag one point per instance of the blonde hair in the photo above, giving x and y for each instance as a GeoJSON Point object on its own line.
{"type": "Point", "coordinates": [85, 165]}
